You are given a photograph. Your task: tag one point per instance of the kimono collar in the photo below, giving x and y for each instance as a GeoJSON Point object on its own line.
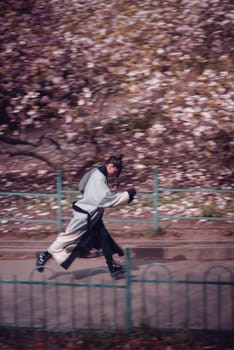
{"type": "Point", "coordinates": [103, 170]}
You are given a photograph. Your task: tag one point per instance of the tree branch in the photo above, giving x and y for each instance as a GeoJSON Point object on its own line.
{"type": "Point", "coordinates": [16, 141]}
{"type": "Point", "coordinates": [30, 154]}
{"type": "Point", "coordinates": [45, 137]}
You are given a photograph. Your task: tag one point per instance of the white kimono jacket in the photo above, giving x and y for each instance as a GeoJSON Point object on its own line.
{"type": "Point", "coordinates": [96, 197]}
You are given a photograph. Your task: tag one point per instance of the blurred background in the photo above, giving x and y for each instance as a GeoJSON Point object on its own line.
{"type": "Point", "coordinates": [82, 80]}
{"type": "Point", "coordinates": [150, 79]}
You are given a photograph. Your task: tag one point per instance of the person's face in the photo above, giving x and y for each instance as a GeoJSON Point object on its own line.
{"type": "Point", "coordinates": [111, 169]}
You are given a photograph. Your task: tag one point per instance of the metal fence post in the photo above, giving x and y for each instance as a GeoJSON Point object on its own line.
{"type": "Point", "coordinates": [128, 292]}
{"type": "Point", "coordinates": [59, 201]}
{"type": "Point", "coordinates": [156, 213]}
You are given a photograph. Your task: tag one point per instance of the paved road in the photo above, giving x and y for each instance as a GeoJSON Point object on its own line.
{"type": "Point", "coordinates": [73, 304]}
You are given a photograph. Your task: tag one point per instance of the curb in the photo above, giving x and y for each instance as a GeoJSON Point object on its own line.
{"type": "Point", "coordinates": [165, 250]}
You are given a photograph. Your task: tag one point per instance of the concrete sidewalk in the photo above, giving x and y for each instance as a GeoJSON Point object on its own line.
{"type": "Point", "coordinates": [77, 306]}
{"type": "Point", "coordinates": [73, 306]}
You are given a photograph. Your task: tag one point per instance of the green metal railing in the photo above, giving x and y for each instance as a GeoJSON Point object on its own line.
{"type": "Point", "coordinates": [158, 190]}
{"type": "Point", "coordinates": [154, 298]}
{"type": "Point", "coordinates": [58, 214]}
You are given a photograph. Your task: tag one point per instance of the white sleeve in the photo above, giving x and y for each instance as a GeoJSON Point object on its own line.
{"type": "Point", "coordinates": [98, 193]}
{"type": "Point", "coordinates": [114, 199]}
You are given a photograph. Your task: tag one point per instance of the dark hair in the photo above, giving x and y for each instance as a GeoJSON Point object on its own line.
{"type": "Point", "coordinates": [117, 162]}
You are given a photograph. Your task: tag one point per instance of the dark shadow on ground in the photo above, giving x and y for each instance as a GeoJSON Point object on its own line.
{"type": "Point", "coordinates": [140, 257]}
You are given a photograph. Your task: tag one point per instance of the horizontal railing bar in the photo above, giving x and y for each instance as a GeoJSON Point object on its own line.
{"type": "Point", "coordinates": [148, 222]}
{"type": "Point", "coordinates": [130, 220]}
{"type": "Point", "coordinates": [162, 189]}
{"type": "Point", "coordinates": [63, 191]}
{"type": "Point", "coordinates": [70, 191]}
{"type": "Point", "coordinates": [194, 217]}
{"type": "Point", "coordinates": [119, 286]}
{"type": "Point", "coordinates": [162, 217]}
{"type": "Point", "coordinates": [120, 220]}
{"type": "Point", "coordinates": [142, 280]}
{"type": "Point", "coordinates": [28, 194]}
{"type": "Point", "coordinates": [28, 220]}
{"type": "Point", "coordinates": [165, 189]}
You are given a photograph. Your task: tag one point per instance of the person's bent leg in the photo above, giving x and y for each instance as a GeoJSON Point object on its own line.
{"type": "Point", "coordinates": [116, 269]}
{"type": "Point", "coordinates": [60, 249]}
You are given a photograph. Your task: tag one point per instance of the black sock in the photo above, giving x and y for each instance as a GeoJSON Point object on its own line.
{"type": "Point", "coordinates": [47, 255]}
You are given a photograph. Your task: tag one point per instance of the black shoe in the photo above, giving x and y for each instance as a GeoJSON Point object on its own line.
{"type": "Point", "coordinates": [116, 269]}
{"type": "Point", "coordinates": [42, 258]}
